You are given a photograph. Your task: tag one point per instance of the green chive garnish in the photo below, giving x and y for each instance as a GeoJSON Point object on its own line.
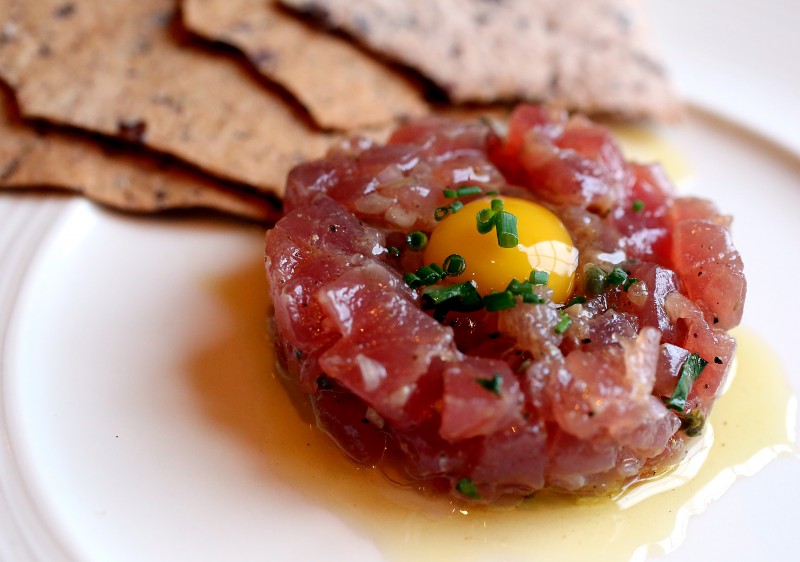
{"type": "Point", "coordinates": [692, 423]}
{"type": "Point", "coordinates": [504, 223]}
{"type": "Point", "coordinates": [456, 206]}
{"type": "Point", "coordinates": [485, 220]}
{"type": "Point", "coordinates": [428, 275]}
{"type": "Point", "coordinates": [638, 205]}
{"type": "Point", "coordinates": [594, 280]}
{"type": "Point", "coordinates": [412, 280]}
{"type": "Point", "coordinates": [468, 190]}
{"type": "Point", "coordinates": [578, 299]}
{"type": "Point", "coordinates": [691, 369]}
{"type": "Point", "coordinates": [628, 282]}
{"type": "Point", "coordinates": [532, 298]}
{"type": "Point", "coordinates": [465, 191]}
{"type": "Point", "coordinates": [466, 487]}
{"type": "Point", "coordinates": [493, 385]}
{"type": "Point", "coordinates": [441, 212]}
{"type": "Point", "coordinates": [563, 324]}
{"type": "Point", "coordinates": [425, 275]}
{"type": "Point", "coordinates": [616, 277]}
{"type": "Point", "coordinates": [454, 265]}
{"type": "Point", "coordinates": [393, 251]}
{"type": "Point", "coordinates": [506, 226]}
{"type": "Point", "coordinates": [417, 240]}
{"type": "Point", "coordinates": [539, 277]}
{"type": "Point", "coordinates": [462, 297]}
{"type": "Point", "coordinates": [499, 301]}
{"type": "Point", "coordinates": [519, 288]}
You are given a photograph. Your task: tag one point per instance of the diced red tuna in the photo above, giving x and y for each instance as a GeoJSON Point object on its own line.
{"type": "Point", "coordinates": [512, 462]}
{"type": "Point", "coordinates": [714, 345]}
{"type": "Point", "coordinates": [386, 343]}
{"type": "Point", "coordinates": [642, 218]}
{"type": "Point", "coordinates": [481, 396]}
{"type": "Point", "coordinates": [400, 185]}
{"type": "Point", "coordinates": [483, 404]}
{"type": "Point", "coordinates": [308, 248]}
{"type": "Point", "coordinates": [710, 269]}
{"type": "Point", "coordinates": [562, 160]}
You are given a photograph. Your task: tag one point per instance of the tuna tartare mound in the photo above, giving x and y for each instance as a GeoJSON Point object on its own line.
{"type": "Point", "coordinates": [490, 313]}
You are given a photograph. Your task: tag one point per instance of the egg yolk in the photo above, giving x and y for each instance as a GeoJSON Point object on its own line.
{"type": "Point", "coordinates": [544, 245]}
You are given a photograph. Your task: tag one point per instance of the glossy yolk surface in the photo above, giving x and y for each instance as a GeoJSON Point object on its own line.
{"type": "Point", "coordinates": [544, 244]}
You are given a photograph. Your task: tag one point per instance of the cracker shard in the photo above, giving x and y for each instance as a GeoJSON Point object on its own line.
{"type": "Point", "coordinates": [123, 69]}
{"type": "Point", "coordinates": [592, 55]}
{"type": "Point", "coordinates": [340, 85]}
{"type": "Point", "coordinates": [45, 156]}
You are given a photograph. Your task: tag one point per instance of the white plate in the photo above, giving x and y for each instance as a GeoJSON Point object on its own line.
{"type": "Point", "coordinates": [132, 402]}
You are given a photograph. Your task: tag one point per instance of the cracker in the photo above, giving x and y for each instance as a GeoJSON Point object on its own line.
{"type": "Point", "coordinates": [340, 85]}
{"type": "Point", "coordinates": [47, 157]}
{"type": "Point", "coordinates": [591, 55]}
{"type": "Point", "coordinates": [124, 69]}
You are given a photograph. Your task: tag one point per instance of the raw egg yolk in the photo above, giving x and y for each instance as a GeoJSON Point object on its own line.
{"type": "Point", "coordinates": [544, 245]}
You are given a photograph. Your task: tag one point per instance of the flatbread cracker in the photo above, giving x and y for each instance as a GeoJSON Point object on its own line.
{"type": "Point", "coordinates": [595, 56]}
{"type": "Point", "coordinates": [123, 69]}
{"type": "Point", "coordinates": [341, 86]}
{"type": "Point", "coordinates": [47, 157]}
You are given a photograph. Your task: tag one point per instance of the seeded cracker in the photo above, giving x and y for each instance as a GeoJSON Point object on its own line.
{"type": "Point", "coordinates": [592, 55]}
{"type": "Point", "coordinates": [123, 69]}
{"type": "Point", "coordinates": [361, 91]}
{"type": "Point", "coordinates": [42, 156]}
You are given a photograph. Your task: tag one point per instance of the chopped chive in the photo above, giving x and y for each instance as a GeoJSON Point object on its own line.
{"type": "Point", "coordinates": [519, 288]}
{"type": "Point", "coordinates": [485, 220]}
{"type": "Point", "coordinates": [417, 240]}
{"type": "Point", "coordinates": [692, 423]}
{"type": "Point", "coordinates": [563, 324]}
{"type": "Point", "coordinates": [578, 299]}
{"type": "Point", "coordinates": [616, 277]}
{"type": "Point", "coordinates": [691, 369]}
{"type": "Point", "coordinates": [494, 384]}
{"type": "Point", "coordinates": [440, 314]}
{"type": "Point", "coordinates": [434, 296]}
{"type": "Point", "coordinates": [441, 212]}
{"type": "Point", "coordinates": [468, 190]}
{"type": "Point", "coordinates": [393, 251]}
{"type": "Point", "coordinates": [466, 487]}
{"type": "Point", "coordinates": [412, 280]}
{"type": "Point", "coordinates": [428, 275]}
{"type": "Point", "coordinates": [462, 297]}
{"type": "Point", "coordinates": [456, 206]}
{"type": "Point", "coordinates": [638, 205]}
{"type": "Point", "coordinates": [628, 282]}
{"type": "Point", "coordinates": [532, 298]}
{"type": "Point", "coordinates": [594, 280]}
{"type": "Point", "coordinates": [499, 301]}
{"type": "Point", "coordinates": [465, 191]}
{"type": "Point", "coordinates": [493, 192]}
{"type": "Point", "coordinates": [438, 269]}
{"type": "Point", "coordinates": [454, 265]}
{"type": "Point", "coordinates": [539, 277]}
{"type": "Point", "coordinates": [506, 226]}
{"type": "Point", "coordinates": [504, 223]}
